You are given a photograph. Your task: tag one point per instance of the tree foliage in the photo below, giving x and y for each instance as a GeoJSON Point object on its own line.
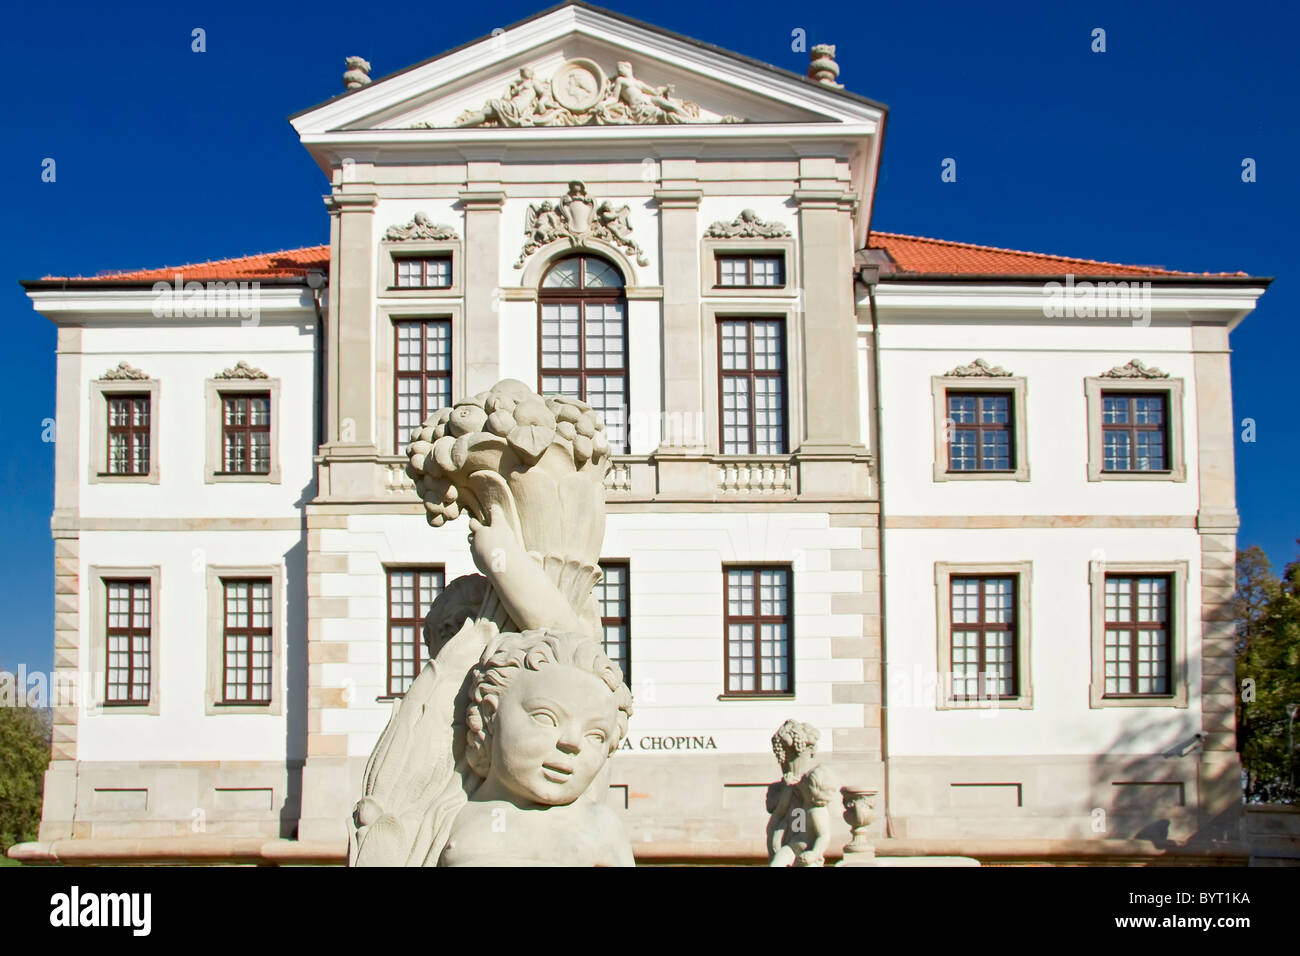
{"type": "Point", "coordinates": [24, 755]}
{"type": "Point", "coordinates": [1268, 675]}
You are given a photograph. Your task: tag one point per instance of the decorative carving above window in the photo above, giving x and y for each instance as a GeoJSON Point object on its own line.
{"type": "Point", "coordinates": [578, 218]}
{"type": "Point", "coordinates": [124, 373]}
{"type": "Point", "coordinates": [579, 94]}
{"type": "Point", "coordinates": [980, 368]}
{"type": "Point", "coordinates": [747, 226]}
{"type": "Point", "coordinates": [1134, 369]}
{"type": "Point", "coordinates": [242, 370]}
{"type": "Point", "coordinates": [420, 227]}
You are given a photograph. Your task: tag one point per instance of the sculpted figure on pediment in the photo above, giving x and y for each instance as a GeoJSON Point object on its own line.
{"type": "Point", "coordinates": [580, 94]}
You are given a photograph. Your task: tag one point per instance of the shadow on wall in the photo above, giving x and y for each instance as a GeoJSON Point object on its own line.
{"type": "Point", "coordinates": [1169, 796]}
{"type": "Point", "coordinates": [295, 664]}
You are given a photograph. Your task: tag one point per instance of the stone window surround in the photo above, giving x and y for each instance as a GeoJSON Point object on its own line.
{"type": "Point", "coordinates": [944, 571]}
{"type": "Point", "coordinates": [386, 358]}
{"type": "Point", "coordinates": [213, 689]}
{"type": "Point", "coordinates": [940, 385]}
{"type": "Point", "coordinates": [787, 312]}
{"type": "Point", "coordinates": [710, 248]}
{"type": "Point", "coordinates": [98, 662]}
{"type": "Point", "coordinates": [1178, 571]}
{"type": "Point", "coordinates": [212, 389]}
{"type": "Point", "coordinates": [390, 251]}
{"type": "Point", "coordinates": [100, 391]}
{"type": "Point", "coordinates": [1173, 388]}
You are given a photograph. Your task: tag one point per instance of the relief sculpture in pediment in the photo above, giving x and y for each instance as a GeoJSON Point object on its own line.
{"type": "Point", "coordinates": [579, 94]}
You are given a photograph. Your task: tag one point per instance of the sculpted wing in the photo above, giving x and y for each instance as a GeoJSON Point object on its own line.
{"type": "Point", "coordinates": [414, 781]}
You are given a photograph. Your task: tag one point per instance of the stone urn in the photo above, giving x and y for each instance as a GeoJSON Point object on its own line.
{"type": "Point", "coordinates": [859, 814]}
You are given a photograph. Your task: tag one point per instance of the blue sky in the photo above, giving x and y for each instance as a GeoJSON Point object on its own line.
{"type": "Point", "coordinates": [1133, 155]}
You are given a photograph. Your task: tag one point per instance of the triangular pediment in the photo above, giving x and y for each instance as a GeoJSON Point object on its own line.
{"type": "Point", "coordinates": [562, 69]}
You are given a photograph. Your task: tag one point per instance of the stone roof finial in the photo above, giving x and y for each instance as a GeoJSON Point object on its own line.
{"type": "Point", "coordinates": [823, 67]}
{"type": "Point", "coordinates": [358, 73]}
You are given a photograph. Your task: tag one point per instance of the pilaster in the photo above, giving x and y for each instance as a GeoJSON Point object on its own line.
{"type": "Point", "coordinates": [833, 460]}
{"type": "Point", "coordinates": [482, 204]}
{"type": "Point", "coordinates": [683, 394]}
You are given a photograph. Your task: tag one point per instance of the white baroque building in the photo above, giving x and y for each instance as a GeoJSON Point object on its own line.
{"type": "Point", "coordinates": [969, 511]}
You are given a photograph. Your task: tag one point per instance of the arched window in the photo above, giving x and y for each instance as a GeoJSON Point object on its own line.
{"type": "Point", "coordinates": [583, 317]}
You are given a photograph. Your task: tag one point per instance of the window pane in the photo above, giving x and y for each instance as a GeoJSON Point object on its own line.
{"type": "Point", "coordinates": [437, 272]}
{"type": "Point", "coordinates": [733, 270]}
{"type": "Point", "coordinates": [601, 275]}
{"type": "Point", "coordinates": [411, 593]}
{"type": "Point", "coordinates": [563, 275]}
{"type": "Point", "coordinates": [768, 270]}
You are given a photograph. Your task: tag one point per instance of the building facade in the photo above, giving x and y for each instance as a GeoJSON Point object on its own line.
{"type": "Point", "coordinates": [968, 511]}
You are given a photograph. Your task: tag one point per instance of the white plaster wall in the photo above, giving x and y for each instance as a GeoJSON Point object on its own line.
{"type": "Point", "coordinates": [182, 730]}
{"type": "Point", "coordinates": [1060, 721]}
{"type": "Point", "coordinates": [676, 614]}
{"type": "Point", "coordinates": [1054, 360]}
{"type": "Point", "coordinates": [181, 359]}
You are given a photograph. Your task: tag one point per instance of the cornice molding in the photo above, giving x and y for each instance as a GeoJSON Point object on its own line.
{"type": "Point", "coordinates": [420, 227]}
{"type": "Point", "coordinates": [242, 370]}
{"type": "Point", "coordinates": [980, 368]}
{"type": "Point", "coordinates": [124, 372]}
{"type": "Point", "coordinates": [1134, 368]}
{"type": "Point", "coordinates": [747, 225]}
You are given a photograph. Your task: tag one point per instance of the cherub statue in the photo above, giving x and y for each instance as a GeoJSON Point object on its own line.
{"type": "Point", "coordinates": [496, 754]}
{"type": "Point", "coordinates": [546, 710]}
{"type": "Point", "coordinates": [799, 828]}
{"type": "Point", "coordinates": [615, 220]}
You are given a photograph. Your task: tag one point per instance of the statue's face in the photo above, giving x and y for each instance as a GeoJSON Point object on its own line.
{"type": "Point", "coordinates": [552, 733]}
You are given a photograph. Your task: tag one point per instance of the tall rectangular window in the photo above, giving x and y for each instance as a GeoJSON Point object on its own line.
{"type": "Point", "coordinates": [423, 375]}
{"type": "Point", "coordinates": [981, 431]}
{"type": "Point", "coordinates": [751, 271]}
{"type": "Point", "coordinates": [759, 625]}
{"type": "Point", "coordinates": [411, 592]}
{"type": "Point", "coordinates": [246, 641]}
{"type": "Point", "coordinates": [612, 592]}
{"type": "Point", "coordinates": [751, 358]}
{"type": "Point", "coordinates": [428, 273]}
{"type": "Point", "coordinates": [128, 434]}
{"type": "Point", "coordinates": [1138, 651]}
{"type": "Point", "coordinates": [246, 433]}
{"type": "Point", "coordinates": [1134, 431]}
{"type": "Point", "coordinates": [128, 633]}
{"type": "Point", "coordinates": [584, 356]}
{"type": "Point", "coordinates": [983, 617]}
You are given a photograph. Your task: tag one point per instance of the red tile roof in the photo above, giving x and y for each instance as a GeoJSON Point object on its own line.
{"type": "Point", "coordinates": [942, 257]}
{"type": "Point", "coordinates": [285, 264]}
{"type": "Point", "coordinates": [911, 254]}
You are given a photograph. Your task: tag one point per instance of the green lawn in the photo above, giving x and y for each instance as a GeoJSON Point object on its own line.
{"type": "Point", "coordinates": [5, 861]}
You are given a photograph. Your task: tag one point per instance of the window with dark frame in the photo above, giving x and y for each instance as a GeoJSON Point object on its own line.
{"type": "Point", "coordinates": [128, 434]}
{"type": "Point", "coordinates": [759, 628]}
{"type": "Point", "coordinates": [411, 592]}
{"type": "Point", "coordinates": [422, 382]}
{"type": "Point", "coordinates": [128, 640]}
{"type": "Point", "coordinates": [751, 271]}
{"type": "Point", "coordinates": [984, 621]}
{"type": "Point", "coordinates": [751, 386]}
{"type": "Point", "coordinates": [615, 622]}
{"type": "Point", "coordinates": [1134, 431]}
{"type": "Point", "coordinates": [432, 272]}
{"type": "Point", "coordinates": [582, 315]}
{"type": "Point", "coordinates": [246, 433]}
{"type": "Point", "coordinates": [982, 432]}
{"type": "Point", "coordinates": [246, 641]}
{"type": "Point", "coordinates": [1138, 628]}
